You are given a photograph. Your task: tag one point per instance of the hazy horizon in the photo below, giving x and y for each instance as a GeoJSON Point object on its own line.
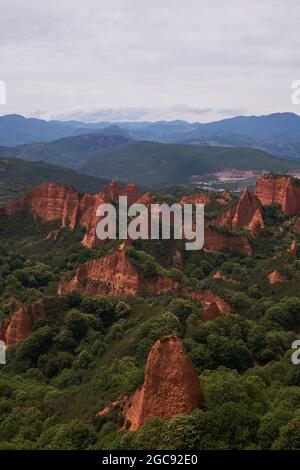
{"type": "Point", "coordinates": [150, 121]}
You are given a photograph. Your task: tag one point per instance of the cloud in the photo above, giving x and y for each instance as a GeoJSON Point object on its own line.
{"type": "Point", "coordinates": [135, 113]}
{"type": "Point", "coordinates": [134, 56]}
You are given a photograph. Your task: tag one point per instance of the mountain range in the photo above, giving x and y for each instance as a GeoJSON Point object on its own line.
{"type": "Point", "coordinates": [277, 133]}
{"type": "Point", "coordinates": [150, 164]}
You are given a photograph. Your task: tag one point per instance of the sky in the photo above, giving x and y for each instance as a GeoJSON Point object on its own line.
{"type": "Point", "coordinates": [135, 60]}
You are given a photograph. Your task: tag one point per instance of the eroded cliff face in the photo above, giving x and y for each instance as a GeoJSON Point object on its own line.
{"type": "Point", "coordinates": [283, 190]}
{"type": "Point", "coordinates": [53, 201]}
{"type": "Point", "coordinates": [246, 214]}
{"type": "Point", "coordinates": [247, 207]}
{"type": "Point", "coordinates": [171, 386]}
{"type": "Point", "coordinates": [115, 275]}
{"type": "Point", "coordinates": [19, 326]}
{"type": "Point", "coordinates": [112, 275]}
{"type": "Point", "coordinates": [217, 240]}
{"type": "Point", "coordinates": [49, 201]}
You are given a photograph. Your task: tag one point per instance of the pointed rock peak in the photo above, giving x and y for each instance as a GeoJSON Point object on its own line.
{"type": "Point", "coordinates": [246, 192]}
{"type": "Point", "coordinates": [171, 386]}
{"type": "Point", "coordinates": [19, 326]}
{"type": "Point", "coordinates": [245, 209]}
{"type": "Point", "coordinates": [256, 224]}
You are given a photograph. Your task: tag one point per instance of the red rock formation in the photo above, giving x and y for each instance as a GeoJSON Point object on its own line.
{"type": "Point", "coordinates": [171, 386]}
{"type": "Point", "coordinates": [206, 297]}
{"type": "Point", "coordinates": [293, 249]}
{"type": "Point", "coordinates": [256, 224]}
{"type": "Point", "coordinates": [19, 326]}
{"type": "Point", "coordinates": [211, 311]}
{"type": "Point", "coordinates": [113, 191]}
{"type": "Point", "coordinates": [283, 190]}
{"type": "Point", "coordinates": [220, 276]}
{"type": "Point", "coordinates": [49, 201]}
{"type": "Point", "coordinates": [245, 210]}
{"type": "Point", "coordinates": [246, 214]}
{"type": "Point", "coordinates": [52, 201]}
{"type": "Point", "coordinates": [276, 276]}
{"type": "Point", "coordinates": [216, 240]}
{"type": "Point", "coordinates": [202, 198]}
{"type": "Point", "coordinates": [112, 274]}
{"type": "Point", "coordinates": [115, 275]}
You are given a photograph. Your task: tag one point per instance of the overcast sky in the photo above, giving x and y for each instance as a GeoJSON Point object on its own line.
{"type": "Point", "coordinates": [198, 60]}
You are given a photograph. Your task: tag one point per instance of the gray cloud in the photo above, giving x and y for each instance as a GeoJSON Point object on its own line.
{"type": "Point", "coordinates": [132, 113]}
{"type": "Point", "coordinates": [128, 59]}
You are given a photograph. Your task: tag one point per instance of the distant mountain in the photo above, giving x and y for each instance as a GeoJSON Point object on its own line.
{"type": "Point", "coordinates": [17, 175]}
{"type": "Point", "coordinates": [18, 130]}
{"type": "Point", "coordinates": [273, 126]}
{"type": "Point", "coordinates": [151, 164]}
{"type": "Point", "coordinates": [277, 133]}
{"type": "Point", "coordinates": [72, 152]}
{"type": "Point", "coordinates": [15, 130]}
{"type": "Point", "coordinates": [155, 164]}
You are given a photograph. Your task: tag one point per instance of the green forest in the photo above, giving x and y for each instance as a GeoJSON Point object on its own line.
{"type": "Point", "coordinates": [90, 350]}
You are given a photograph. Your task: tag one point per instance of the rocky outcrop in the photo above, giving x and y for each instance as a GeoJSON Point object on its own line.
{"type": "Point", "coordinates": [19, 326]}
{"type": "Point", "coordinates": [201, 198]}
{"type": "Point", "coordinates": [52, 201]}
{"type": "Point", "coordinates": [115, 275]}
{"type": "Point", "coordinates": [245, 210]}
{"type": "Point", "coordinates": [218, 240]}
{"type": "Point", "coordinates": [256, 224]}
{"type": "Point", "coordinates": [112, 274]}
{"type": "Point", "coordinates": [282, 190]}
{"type": "Point", "coordinates": [276, 277]}
{"type": "Point", "coordinates": [171, 386]}
{"type": "Point", "coordinates": [211, 311]}
{"type": "Point", "coordinates": [293, 249]}
{"type": "Point", "coordinates": [49, 201]}
{"type": "Point", "coordinates": [246, 214]}
{"type": "Point", "coordinates": [221, 276]}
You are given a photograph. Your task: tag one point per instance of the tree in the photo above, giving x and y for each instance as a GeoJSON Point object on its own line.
{"type": "Point", "coordinates": [182, 308]}
{"type": "Point", "coordinates": [289, 436]}
{"type": "Point", "coordinates": [75, 435]}
{"type": "Point", "coordinates": [271, 424]}
{"type": "Point", "coordinates": [122, 309]}
{"type": "Point", "coordinates": [77, 323]}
